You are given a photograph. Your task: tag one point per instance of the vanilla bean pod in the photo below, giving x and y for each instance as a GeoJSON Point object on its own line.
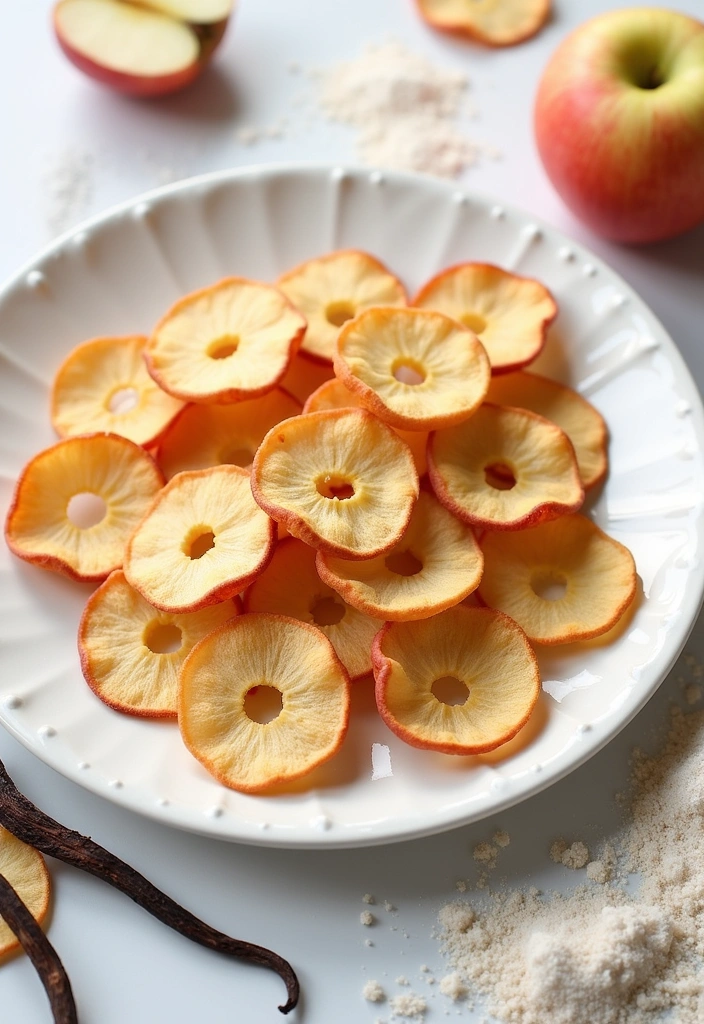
{"type": "Point", "coordinates": [41, 952]}
{"type": "Point", "coordinates": [21, 817]}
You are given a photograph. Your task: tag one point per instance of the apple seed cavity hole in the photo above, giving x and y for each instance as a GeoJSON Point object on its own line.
{"type": "Point", "coordinates": [403, 563]}
{"type": "Point", "coordinates": [450, 690]}
{"type": "Point", "coordinates": [499, 476]}
{"type": "Point", "coordinates": [162, 637]}
{"type": "Point", "coordinates": [223, 347]}
{"type": "Point", "coordinates": [408, 371]}
{"type": "Point", "coordinates": [263, 704]}
{"type": "Point", "coordinates": [85, 510]}
{"type": "Point", "coordinates": [122, 401]}
{"type": "Point", "coordinates": [332, 486]}
{"type": "Point", "coordinates": [326, 611]}
{"type": "Point", "coordinates": [475, 322]}
{"type": "Point", "coordinates": [237, 457]}
{"type": "Point", "coordinates": [549, 585]}
{"type": "Point", "coordinates": [198, 541]}
{"type": "Point", "coordinates": [338, 313]}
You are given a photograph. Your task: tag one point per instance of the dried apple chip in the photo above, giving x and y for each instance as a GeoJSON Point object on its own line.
{"type": "Point", "coordinates": [584, 426]}
{"type": "Point", "coordinates": [492, 22]}
{"type": "Point", "coordinates": [290, 585]}
{"type": "Point", "coordinates": [340, 480]}
{"type": "Point", "coordinates": [25, 870]}
{"type": "Point", "coordinates": [334, 288]}
{"type": "Point", "coordinates": [231, 341]}
{"type": "Point", "coordinates": [131, 653]}
{"type": "Point", "coordinates": [462, 682]}
{"type": "Point", "coordinates": [509, 314]}
{"type": "Point", "coordinates": [213, 435]}
{"type": "Point", "coordinates": [203, 540]}
{"type": "Point", "coordinates": [562, 581]}
{"type": "Point", "coordinates": [504, 469]}
{"type": "Point", "coordinates": [76, 504]}
{"type": "Point", "coordinates": [103, 384]}
{"type": "Point", "coordinates": [435, 565]}
{"type": "Point", "coordinates": [414, 368]}
{"type": "Point", "coordinates": [252, 668]}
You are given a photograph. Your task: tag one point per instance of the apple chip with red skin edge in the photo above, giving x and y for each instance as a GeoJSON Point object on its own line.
{"type": "Point", "coordinates": [492, 22]}
{"type": "Point", "coordinates": [131, 653]}
{"type": "Point", "coordinates": [231, 341]}
{"type": "Point", "coordinates": [414, 368]}
{"type": "Point", "coordinates": [584, 426]}
{"type": "Point", "coordinates": [290, 585]}
{"type": "Point", "coordinates": [214, 435]}
{"type": "Point", "coordinates": [562, 581]}
{"type": "Point", "coordinates": [203, 540]}
{"type": "Point", "coordinates": [504, 469]}
{"type": "Point", "coordinates": [340, 480]}
{"type": "Point", "coordinates": [114, 473]}
{"type": "Point", "coordinates": [103, 384]}
{"type": "Point", "coordinates": [25, 870]}
{"type": "Point", "coordinates": [304, 375]}
{"type": "Point", "coordinates": [509, 314]}
{"type": "Point", "coordinates": [232, 668]}
{"type": "Point", "coordinates": [334, 288]}
{"type": "Point", "coordinates": [461, 682]}
{"type": "Point", "coordinates": [436, 564]}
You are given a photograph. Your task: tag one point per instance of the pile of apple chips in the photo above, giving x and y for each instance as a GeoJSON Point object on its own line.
{"type": "Point", "coordinates": [256, 554]}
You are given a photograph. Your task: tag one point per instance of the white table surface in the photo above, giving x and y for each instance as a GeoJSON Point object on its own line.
{"type": "Point", "coordinates": [124, 966]}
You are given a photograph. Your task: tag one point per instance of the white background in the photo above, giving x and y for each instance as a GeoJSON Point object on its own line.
{"type": "Point", "coordinates": [124, 966]}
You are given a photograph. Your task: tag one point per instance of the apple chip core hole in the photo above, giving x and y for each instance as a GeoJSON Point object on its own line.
{"type": "Point", "coordinates": [86, 509]}
{"type": "Point", "coordinates": [403, 563]}
{"type": "Point", "coordinates": [198, 541]}
{"type": "Point", "coordinates": [499, 476]}
{"type": "Point", "coordinates": [122, 401]}
{"type": "Point", "coordinates": [162, 637]}
{"type": "Point", "coordinates": [333, 486]}
{"type": "Point", "coordinates": [450, 690]}
{"type": "Point", "coordinates": [223, 347]}
{"type": "Point", "coordinates": [408, 371]}
{"type": "Point", "coordinates": [326, 611]}
{"type": "Point", "coordinates": [549, 585]}
{"type": "Point", "coordinates": [237, 457]}
{"type": "Point", "coordinates": [475, 321]}
{"type": "Point", "coordinates": [338, 313]}
{"type": "Point", "coordinates": [263, 704]}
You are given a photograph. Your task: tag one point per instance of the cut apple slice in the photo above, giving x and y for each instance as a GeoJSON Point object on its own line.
{"type": "Point", "coordinates": [504, 469]}
{"type": "Point", "coordinates": [195, 12]}
{"type": "Point", "coordinates": [213, 435]}
{"type": "Point", "coordinates": [103, 385]}
{"type": "Point", "coordinates": [462, 682]}
{"type": "Point", "coordinates": [25, 870]}
{"type": "Point", "coordinates": [414, 368]}
{"type": "Point", "coordinates": [509, 314]}
{"type": "Point", "coordinates": [131, 653]}
{"type": "Point", "coordinates": [435, 565]}
{"type": "Point", "coordinates": [304, 375]}
{"type": "Point", "coordinates": [231, 341]}
{"type": "Point", "coordinates": [339, 480]}
{"type": "Point", "coordinates": [203, 540]}
{"type": "Point", "coordinates": [263, 700]}
{"type": "Point", "coordinates": [76, 504]}
{"type": "Point", "coordinates": [332, 289]}
{"type": "Point", "coordinates": [290, 585]}
{"type": "Point", "coordinates": [563, 581]}
{"type": "Point", "coordinates": [492, 22]}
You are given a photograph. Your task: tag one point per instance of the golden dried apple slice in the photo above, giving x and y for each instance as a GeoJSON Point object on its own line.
{"type": "Point", "coordinates": [492, 22]}
{"type": "Point", "coordinates": [304, 376]}
{"type": "Point", "coordinates": [131, 653]}
{"type": "Point", "coordinates": [584, 426]}
{"type": "Point", "coordinates": [504, 469]}
{"type": "Point", "coordinates": [231, 341]}
{"type": "Point", "coordinates": [562, 581]}
{"type": "Point", "coordinates": [435, 565]}
{"type": "Point", "coordinates": [290, 585]}
{"type": "Point", "coordinates": [334, 288]}
{"type": "Point", "coordinates": [76, 504]}
{"type": "Point", "coordinates": [333, 394]}
{"type": "Point", "coordinates": [264, 699]}
{"type": "Point", "coordinates": [203, 540]}
{"type": "Point", "coordinates": [414, 368]}
{"type": "Point", "coordinates": [509, 314]}
{"type": "Point", "coordinates": [462, 682]}
{"type": "Point", "coordinates": [25, 870]}
{"type": "Point", "coordinates": [213, 435]}
{"type": "Point", "coordinates": [103, 384]}
{"type": "Point", "coordinates": [340, 480]}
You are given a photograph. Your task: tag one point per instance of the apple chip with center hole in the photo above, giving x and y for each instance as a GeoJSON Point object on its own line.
{"type": "Point", "coordinates": [25, 870]}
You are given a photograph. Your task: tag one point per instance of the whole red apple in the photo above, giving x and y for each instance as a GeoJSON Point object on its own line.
{"type": "Point", "coordinates": [619, 123]}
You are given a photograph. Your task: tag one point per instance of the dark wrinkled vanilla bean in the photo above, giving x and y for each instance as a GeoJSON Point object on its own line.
{"type": "Point", "coordinates": [21, 817]}
{"type": "Point", "coordinates": [41, 952]}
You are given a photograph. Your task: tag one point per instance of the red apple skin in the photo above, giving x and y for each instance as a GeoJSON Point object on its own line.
{"type": "Point", "coordinates": [627, 157]}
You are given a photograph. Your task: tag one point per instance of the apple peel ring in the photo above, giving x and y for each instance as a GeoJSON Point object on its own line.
{"type": "Point", "coordinates": [563, 581]}
{"type": "Point", "coordinates": [435, 565]}
{"type": "Point", "coordinates": [502, 23]}
{"type": "Point", "coordinates": [25, 870]}
{"type": "Point", "coordinates": [462, 682]}
{"type": "Point", "coordinates": [582, 423]}
{"type": "Point", "coordinates": [214, 435]}
{"type": "Point", "coordinates": [203, 540]}
{"type": "Point", "coordinates": [131, 653]}
{"type": "Point", "coordinates": [291, 586]}
{"type": "Point", "coordinates": [334, 288]}
{"type": "Point", "coordinates": [509, 314]}
{"type": "Point", "coordinates": [230, 341]}
{"type": "Point", "coordinates": [339, 480]}
{"type": "Point", "coordinates": [76, 504]}
{"type": "Point", "coordinates": [504, 469]}
{"type": "Point", "coordinates": [242, 669]}
{"type": "Point", "coordinates": [414, 368]}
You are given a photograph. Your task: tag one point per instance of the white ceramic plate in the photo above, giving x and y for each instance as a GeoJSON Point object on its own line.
{"type": "Point", "coordinates": [119, 273]}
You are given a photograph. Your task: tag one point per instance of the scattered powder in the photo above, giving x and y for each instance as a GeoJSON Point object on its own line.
{"type": "Point", "coordinates": [389, 906]}
{"type": "Point", "coordinates": [574, 856]}
{"type": "Point", "coordinates": [368, 898]}
{"type": "Point", "coordinates": [693, 693]}
{"type": "Point", "coordinates": [373, 992]}
{"type": "Point", "coordinates": [68, 181]}
{"type": "Point", "coordinates": [453, 986]}
{"type": "Point", "coordinates": [402, 980]}
{"type": "Point", "coordinates": [366, 918]}
{"type": "Point", "coordinates": [502, 838]}
{"type": "Point", "coordinates": [485, 853]}
{"type": "Point", "coordinates": [408, 1005]}
{"type": "Point", "coordinates": [461, 885]}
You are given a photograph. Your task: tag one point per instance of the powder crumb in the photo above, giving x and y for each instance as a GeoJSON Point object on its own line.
{"type": "Point", "coordinates": [502, 838]}
{"type": "Point", "coordinates": [408, 1005]}
{"type": "Point", "coordinates": [453, 986]}
{"type": "Point", "coordinates": [557, 849]}
{"type": "Point", "coordinates": [575, 856]}
{"type": "Point", "coordinates": [389, 906]}
{"type": "Point", "coordinates": [366, 918]}
{"type": "Point", "coordinates": [248, 136]}
{"type": "Point", "coordinates": [461, 885]}
{"type": "Point", "coordinates": [456, 917]}
{"type": "Point", "coordinates": [485, 853]}
{"type": "Point", "coordinates": [402, 980]}
{"type": "Point", "coordinates": [373, 992]}
{"type": "Point", "coordinates": [368, 942]}
{"type": "Point", "coordinates": [368, 898]}
{"type": "Point", "coordinates": [424, 968]}
{"type": "Point", "coordinates": [693, 693]}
